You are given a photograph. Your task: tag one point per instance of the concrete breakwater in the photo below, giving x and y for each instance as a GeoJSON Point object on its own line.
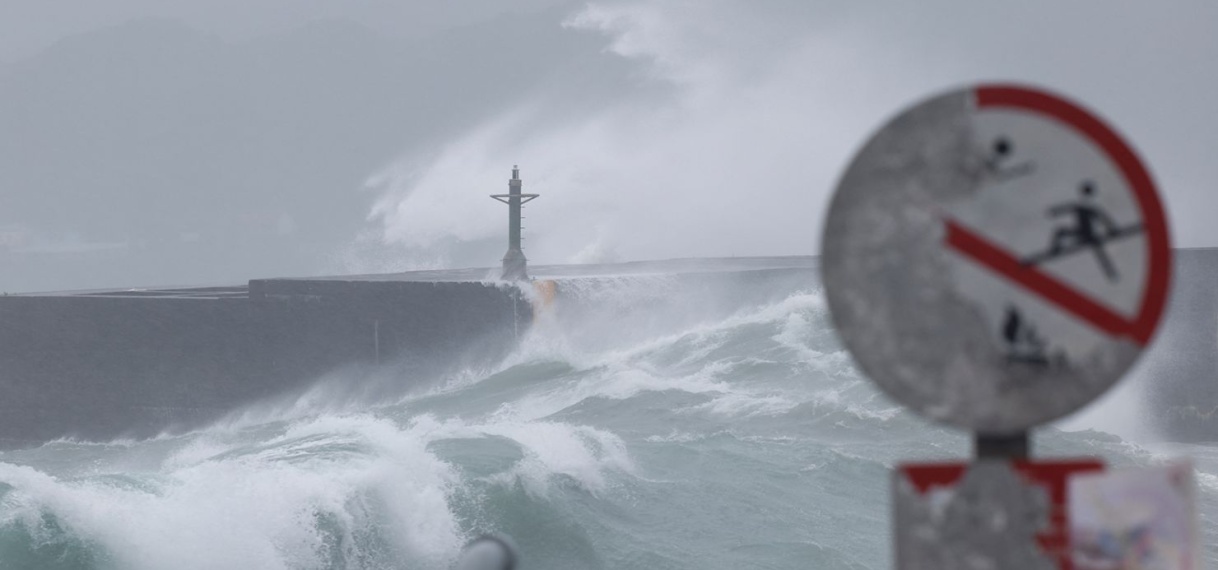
{"type": "Point", "coordinates": [100, 365]}
{"type": "Point", "coordinates": [1179, 377]}
{"type": "Point", "coordinates": [104, 364]}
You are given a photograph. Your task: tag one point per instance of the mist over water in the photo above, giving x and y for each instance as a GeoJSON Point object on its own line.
{"type": "Point", "coordinates": [638, 425]}
{"type": "Point", "coordinates": [736, 120]}
{"type": "Point", "coordinates": [227, 141]}
{"type": "Point", "coordinates": [635, 427]}
{"type": "Point", "coordinates": [722, 125]}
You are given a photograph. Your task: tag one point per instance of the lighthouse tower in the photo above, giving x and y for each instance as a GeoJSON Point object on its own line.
{"type": "Point", "coordinates": [515, 266]}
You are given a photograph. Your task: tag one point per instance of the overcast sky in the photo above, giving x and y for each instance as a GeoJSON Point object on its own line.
{"type": "Point", "coordinates": [27, 26]}
{"type": "Point", "coordinates": [370, 140]}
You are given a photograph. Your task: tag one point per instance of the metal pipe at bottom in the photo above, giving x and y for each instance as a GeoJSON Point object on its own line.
{"type": "Point", "coordinates": [488, 552]}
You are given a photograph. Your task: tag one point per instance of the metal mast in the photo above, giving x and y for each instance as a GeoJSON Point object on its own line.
{"type": "Point", "coordinates": [515, 266]}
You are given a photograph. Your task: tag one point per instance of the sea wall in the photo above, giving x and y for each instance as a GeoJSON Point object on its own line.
{"type": "Point", "coordinates": [107, 364]}
{"type": "Point", "coordinates": [1179, 375]}
{"type": "Point", "coordinates": [102, 365]}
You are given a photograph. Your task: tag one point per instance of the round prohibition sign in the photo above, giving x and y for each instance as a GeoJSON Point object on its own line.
{"type": "Point", "coordinates": [996, 257]}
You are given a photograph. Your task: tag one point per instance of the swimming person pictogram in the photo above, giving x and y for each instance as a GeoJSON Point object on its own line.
{"type": "Point", "coordinates": [1000, 154]}
{"type": "Point", "coordinates": [1090, 228]}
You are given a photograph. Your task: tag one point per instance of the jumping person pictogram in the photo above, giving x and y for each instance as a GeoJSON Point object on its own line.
{"type": "Point", "coordinates": [1091, 227]}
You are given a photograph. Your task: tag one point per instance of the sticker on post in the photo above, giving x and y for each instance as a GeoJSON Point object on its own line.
{"type": "Point", "coordinates": [996, 258]}
{"type": "Point", "coordinates": [1135, 518]}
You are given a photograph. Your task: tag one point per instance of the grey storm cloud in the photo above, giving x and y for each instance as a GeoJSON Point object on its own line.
{"type": "Point", "coordinates": [189, 142]}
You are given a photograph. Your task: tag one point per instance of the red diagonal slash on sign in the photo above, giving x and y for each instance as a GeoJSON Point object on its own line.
{"type": "Point", "coordinates": [1048, 287]}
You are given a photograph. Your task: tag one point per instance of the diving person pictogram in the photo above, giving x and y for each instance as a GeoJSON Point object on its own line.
{"type": "Point", "coordinates": [1090, 227]}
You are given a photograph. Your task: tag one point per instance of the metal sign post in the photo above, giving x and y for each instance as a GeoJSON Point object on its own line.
{"type": "Point", "coordinates": [995, 258]}
{"type": "Point", "coordinates": [988, 514]}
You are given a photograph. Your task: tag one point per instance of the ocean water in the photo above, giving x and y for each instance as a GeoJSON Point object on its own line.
{"type": "Point", "coordinates": [635, 427]}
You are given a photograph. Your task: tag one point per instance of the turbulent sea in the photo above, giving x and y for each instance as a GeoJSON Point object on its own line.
{"type": "Point", "coordinates": [635, 427]}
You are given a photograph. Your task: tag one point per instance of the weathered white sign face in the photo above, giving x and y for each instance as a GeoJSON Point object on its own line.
{"type": "Point", "coordinates": [996, 258]}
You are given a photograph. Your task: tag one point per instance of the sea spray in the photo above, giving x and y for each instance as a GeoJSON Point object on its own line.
{"type": "Point", "coordinates": [730, 431]}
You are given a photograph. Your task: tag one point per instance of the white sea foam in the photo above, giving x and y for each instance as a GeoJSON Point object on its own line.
{"type": "Point", "coordinates": [322, 481]}
{"type": "Point", "coordinates": [262, 506]}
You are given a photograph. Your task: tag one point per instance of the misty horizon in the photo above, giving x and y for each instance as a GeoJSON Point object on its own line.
{"type": "Point", "coordinates": [171, 144]}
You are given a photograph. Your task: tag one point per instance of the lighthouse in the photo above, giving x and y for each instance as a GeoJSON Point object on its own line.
{"type": "Point", "coordinates": [515, 266]}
